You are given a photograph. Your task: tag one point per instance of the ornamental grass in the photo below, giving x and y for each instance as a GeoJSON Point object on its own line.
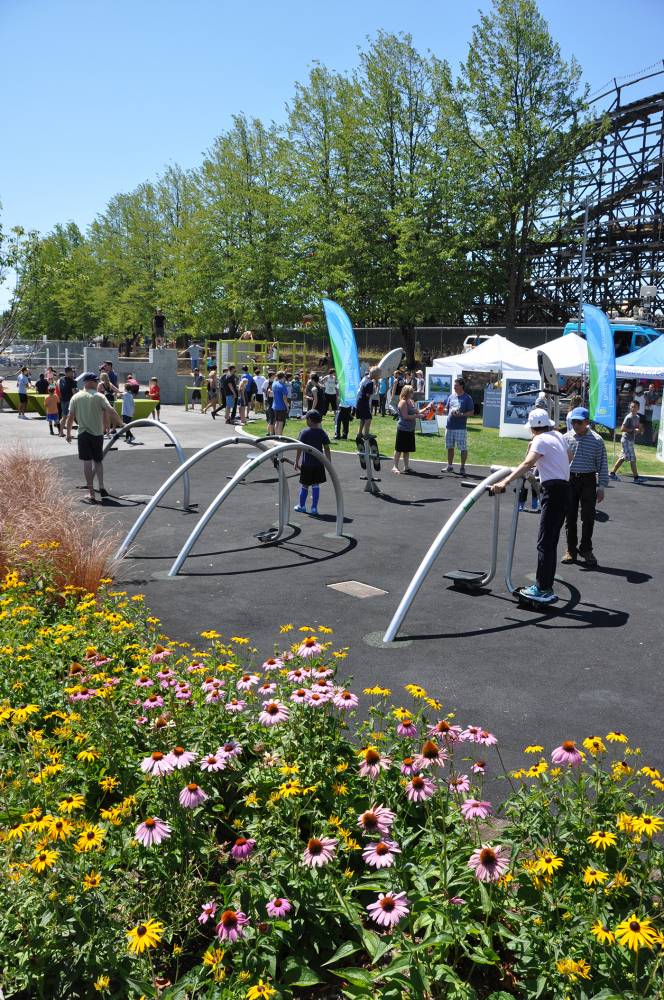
{"type": "Point", "coordinates": [206, 844]}
{"type": "Point", "coordinates": [38, 522]}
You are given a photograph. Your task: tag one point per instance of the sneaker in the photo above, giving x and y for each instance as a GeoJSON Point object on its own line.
{"type": "Point", "coordinates": [614, 476]}
{"type": "Point", "coordinates": [638, 480]}
{"type": "Point", "coordinates": [462, 470]}
{"type": "Point", "coordinates": [535, 592]}
{"type": "Point", "coordinates": [534, 504]}
{"type": "Point", "coordinates": [450, 468]}
{"type": "Point", "coordinates": [300, 510]}
{"type": "Point", "coordinates": [569, 557]}
{"type": "Point", "coordinates": [522, 506]}
{"type": "Point", "coordinates": [588, 558]}
{"type": "Point", "coordinates": [314, 511]}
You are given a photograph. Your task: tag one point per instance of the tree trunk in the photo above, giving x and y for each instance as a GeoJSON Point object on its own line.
{"type": "Point", "coordinates": [408, 336]}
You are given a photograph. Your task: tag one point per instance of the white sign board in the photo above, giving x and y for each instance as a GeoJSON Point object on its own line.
{"type": "Point", "coordinates": [519, 392]}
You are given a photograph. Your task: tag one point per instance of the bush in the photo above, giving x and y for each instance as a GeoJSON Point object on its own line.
{"type": "Point", "coordinates": [182, 822]}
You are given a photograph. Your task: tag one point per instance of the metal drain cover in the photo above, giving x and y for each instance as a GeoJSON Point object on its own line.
{"type": "Point", "coordinates": [356, 589]}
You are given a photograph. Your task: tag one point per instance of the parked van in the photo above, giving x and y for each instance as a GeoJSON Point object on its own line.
{"type": "Point", "coordinates": [628, 334]}
{"type": "Point", "coordinates": [474, 340]}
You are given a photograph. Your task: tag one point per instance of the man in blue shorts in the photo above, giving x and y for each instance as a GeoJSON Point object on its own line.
{"type": "Point", "coordinates": [458, 407]}
{"type": "Point", "coordinates": [280, 402]}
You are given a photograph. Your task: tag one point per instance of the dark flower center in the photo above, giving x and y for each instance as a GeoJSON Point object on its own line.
{"type": "Point", "coordinates": [241, 841]}
{"type": "Point", "coordinates": [140, 931]}
{"type": "Point", "coordinates": [417, 782]}
{"type": "Point", "coordinates": [371, 756]}
{"type": "Point", "coordinates": [157, 755]}
{"type": "Point", "coordinates": [150, 823]}
{"type": "Point", "coordinates": [569, 746]}
{"type": "Point", "coordinates": [370, 821]}
{"type": "Point", "coordinates": [229, 919]}
{"type": "Point", "coordinates": [487, 857]}
{"type": "Point", "coordinates": [387, 904]}
{"type": "Point", "coordinates": [382, 849]}
{"type": "Point", "coordinates": [192, 787]}
{"type": "Point", "coordinates": [42, 857]}
{"type": "Point", "coordinates": [278, 902]}
{"type": "Point", "coordinates": [430, 750]}
{"type": "Point", "coordinates": [177, 751]}
{"type": "Point", "coordinates": [315, 846]}
{"type": "Point", "coordinates": [272, 709]}
{"type": "Point", "coordinates": [635, 926]}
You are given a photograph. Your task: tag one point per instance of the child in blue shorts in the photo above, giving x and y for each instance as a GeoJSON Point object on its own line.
{"type": "Point", "coordinates": [312, 471]}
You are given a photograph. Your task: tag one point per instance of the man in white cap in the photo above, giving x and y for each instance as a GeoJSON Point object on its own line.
{"type": "Point", "coordinates": [548, 452]}
{"type": "Point", "coordinates": [87, 408]}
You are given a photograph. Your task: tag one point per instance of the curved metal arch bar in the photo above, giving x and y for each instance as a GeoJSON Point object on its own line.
{"type": "Point", "coordinates": [243, 471]}
{"type": "Point", "coordinates": [435, 548]}
{"type": "Point", "coordinates": [511, 539]}
{"type": "Point", "coordinates": [173, 478]}
{"type": "Point", "coordinates": [186, 499]}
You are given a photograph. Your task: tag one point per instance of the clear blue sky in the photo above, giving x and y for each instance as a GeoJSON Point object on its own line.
{"type": "Point", "coordinates": [99, 95]}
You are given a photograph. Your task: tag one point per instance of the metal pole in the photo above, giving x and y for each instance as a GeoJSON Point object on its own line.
{"type": "Point", "coordinates": [511, 541]}
{"type": "Point", "coordinates": [143, 422]}
{"type": "Point", "coordinates": [434, 550]}
{"type": "Point", "coordinates": [583, 263]}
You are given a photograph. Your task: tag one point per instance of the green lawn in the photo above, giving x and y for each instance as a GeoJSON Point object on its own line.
{"type": "Point", "coordinates": [484, 445]}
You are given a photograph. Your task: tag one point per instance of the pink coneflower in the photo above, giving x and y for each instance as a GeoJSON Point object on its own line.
{"type": "Point", "coordinates": [266, 689]}
{"type": "Point", "coordinates": [389, 908]}
{"type": "Point", "coordinates": [487, 739]}
{"type": "Point", "coordinates": [298, 675]}
{"type": "Point", "coordinates": [378, 819]}
{"type": "Point", "coordinates": [165, 675]}
{"type": "Point", "coordinates": [242, 848]}
{"type": "Point", "coordinates": [443, 730]}
{"type": "Point", "coordinates": [460, 783]}
{"type": "Point", "coordinates": [323, 687]}
{"type": "Point", "coordinates": [214, 696]}
{"type": "Point", "coordinates": [310, 647]}
{"type": "Point", "coordinates": [192, 795]}
{"type": "Point", "coordinates": [431, 755]}
{"type": "Point", "coordinates": [182, 691]}
{"type": "Point", "coordinates": [208, 911]}
{"type": "Point", "coordinates": [299, 696]}
{"type": "Point", "coordinates": [278, 907]}
{"type": "Point", "coordinates": [213, 762]}
{"type": "Point", "coordinates": [273, 712]}
{"type": "Point", "coordinates": [489, 863]}
{"type": "Point", "coordinates": [152, 831]}
{"type": "Point", "coordinates": [235, 705]}
{"type": "Point", "coordinates": [287, 656]}
{"type": "Point", "coordinates": [474, 809]}
{"type": "Point", "coordinates": [157, 763]}
{"type": "Point", "coordinates": [195, 667]}
{"type": "Point", "coordinates": [211, 684]}
{"type": "Point", "coordinates": [408, 766]}
{"type": "Point", "coordinates": [345, 700]}
{"type": "Point", "coordinates": [154, 701]}
{"type": "Point", "coordinates": [180, 758]}
{"type": "Point", "coordinates": [374, 762]}
{"type": "Point", "coordinates": [272, 663]}
{"type": "Point", "coordinates": [320, 673]}
{"type": "Point", "coordinates": [457, 900]}
{"type": "Point", "coordinates": [141, 720]}
{"type": "Point", "coordinates": [247, 681]}
{"type": "Point", "coordinates": [319, 851]}
{"type": "Point", "coordinates": [471, 734]}
{"type": "Point", "coordinates": [230, 749]}
{"type": "Point", "coordinates": [407, 728]}
{"type": "Point", "coordinates": [381, 854]}
{"type": "Point", "coordinates": [478, 767]}
{"type": "Point", "coordinates": [567, 754]}
{"type": "Point", "coordinates": [314, 699]}
{"type": "Point", "coordinates": [159, 653]}
{"type": "Point", "coordinates": [231, 925]}
{"type": "Point", "coordinates": [420, 788]}
{"type": "Point", "coordinates": [144, 682]}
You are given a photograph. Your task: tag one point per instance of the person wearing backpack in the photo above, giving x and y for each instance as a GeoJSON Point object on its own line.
{"type": "Point", "coordinates": [246, 392]}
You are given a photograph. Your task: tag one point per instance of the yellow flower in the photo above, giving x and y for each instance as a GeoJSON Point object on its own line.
{"type": "Point", "coordinates": [602, 839]}
{"type": "Point", "coordinates": [415, 691]}
{"type": "Point", "coordinates": [343, 766]}
{"type": "Point", "coordinates": [108, 784]}
{"type": "Point", "coordinates": [602, 933]}
{"type": "Point", "coordinates": [535, 748]}
{"type": "Point", "coordinates": [650, 772]}
{"type": "Point", "coordinates": [101, 984]}
{"type": "Point", "coordinates": [547, 863]}
{"type": "Point", "coordinates": [340, 789]}
{"type": "Point", "coordinates": [210, 634]}
{"type": "Point", "coordinates": [658, 784]}
{"type": "Point", "coordinates": [620, 769]}
{"type": "Point", "coordinates": [285, 628]}
{"type": "Point", "coordinates": [144, 936]}
{"type": "Point", "coordinates": [90, 839]}
{"type": "Point", "coordinates": [289, 769]}
{"type": "Point", "coordinates": [251, 800]}
{"type": "Point", "coordinates": [44, 859]}
{"type": "Point", "coordinates": [138, 597]}
{"type": "Point", "coordinates": [619, 881]}
{"type": "Point", "coordinates": [91, 881]}
{"type": "Point", "coordinates": [60, 829]}
{"type": "Point", "coordinates": [616, 737]}
{"type": "Point", "coordinates": [261, 989]}
{"type": "Point", "coordinates": [573, 970]}
{"type": "Point", "coordinates": [379, 691]}
{"type": "Point", "coordinates": [647, 824]}
{"type": "Point", "coordinates": [594, 745]}
{"type": "Point", "coordinates": [593, 876]}
{"type": "Point", "coordinates": [88, 755]}
{"type": "Point", "coordinates": [636, 933]}
{"type": "Point", "coordinates": [23, 713]}
{"type": "Point", "coordinates": [625, 823]}
{"type": "Point", "coordinates": [239, 640]}
{"type": "Point", "coordinates": [213, 956]}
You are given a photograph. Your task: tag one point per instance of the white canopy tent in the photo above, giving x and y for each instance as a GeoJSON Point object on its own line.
{"type": "Point", "coordinates": [496, 354]}
{"type": "Point", "coordinates": [568, 354]}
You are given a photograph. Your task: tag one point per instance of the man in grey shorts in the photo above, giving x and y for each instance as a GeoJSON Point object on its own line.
{"type": "Point", "coordinates": [631, 427]}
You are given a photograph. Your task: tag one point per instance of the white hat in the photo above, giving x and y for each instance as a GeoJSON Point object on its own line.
{"type": "Point", "coordinates": [539, 418]}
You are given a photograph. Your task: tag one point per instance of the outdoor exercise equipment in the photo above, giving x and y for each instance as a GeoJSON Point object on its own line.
{"type": "Point", "coordinates": [369, 456]}
{"type": "Point", "coordinates": [464, 579]}
{"type": "Point", "coordinates": [120, 432]}
{"type": "Point", "coordinates": [274, 453]}
{"type": "Point", "coordinates": [523, 599]}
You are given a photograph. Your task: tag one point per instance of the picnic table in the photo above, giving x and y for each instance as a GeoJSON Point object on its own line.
{"type": "Point", "coordinates": [143, 408]}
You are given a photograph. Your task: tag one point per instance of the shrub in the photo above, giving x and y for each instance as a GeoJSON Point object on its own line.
{"type": "Point", "coordinates": [183, 822]}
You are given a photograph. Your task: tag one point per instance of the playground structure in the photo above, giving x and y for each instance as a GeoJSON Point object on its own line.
{"type": "Point", "coordinates": [464, 579]}
{"type": "Point", "coordinates": [120, 432]}
{"type": "Point", "coordinates": [263, 353]}
{"type": "Point", "coordinates": [269, 449]}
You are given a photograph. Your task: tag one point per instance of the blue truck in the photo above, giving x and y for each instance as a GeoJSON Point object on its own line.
{"type": "Point", "coordinates": [628, 335]}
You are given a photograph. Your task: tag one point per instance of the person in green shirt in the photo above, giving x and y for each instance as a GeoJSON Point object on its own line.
{"type": "Point", "coordinates": [87, 409]}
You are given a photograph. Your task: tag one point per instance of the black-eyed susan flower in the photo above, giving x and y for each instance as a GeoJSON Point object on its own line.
{"type": "Point", "coordinates": [615, 736]}
{"type": "Point", "coordinates": [91, 881]}
{"type": "Point", "coordinates": [534, 748]}
{"type": "Point", "coordinates": [43, 860]}
{"type": "Point", "coordinates": [547, 863]}
{"type": "Point", "coordinates": [593, 876]}
{"type": "Point", "coordinates": [260, 990]}
{"type": "Point", "coordinates": [60, 829]}
{"type": "Point", "coordinates": [636, 932]}
{"type": "Point", "coordinates": [647, 825]}
{"type": "Point", "coordinates": [602, 839]}
{"type": "Point", "coordinates": [594, 745]}
{"type": "Point", "coordinates": [144, 936]}
{"type": "Point", "coordinates": [573, 970]}
{"type": "Point", "coordinates": [603, 934]}
{"type": "Point", "coordinates": [91, 839]}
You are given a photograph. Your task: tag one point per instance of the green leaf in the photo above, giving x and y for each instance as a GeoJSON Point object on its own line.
{"type": "Point", "coordinates": [297, 974]}
{"type": "Point", "coordinates": [343, 951]}
{"type": "Point", "coordinates": [356, 976]}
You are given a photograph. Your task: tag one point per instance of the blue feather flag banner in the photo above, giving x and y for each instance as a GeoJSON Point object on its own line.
{"type": "Point", "coordinates": [344, 352]}
{"type": "Point", "coordinates": [602, 363]}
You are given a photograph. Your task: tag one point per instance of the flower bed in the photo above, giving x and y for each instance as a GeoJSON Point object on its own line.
{"type": "Point", "coordinates": [211, 822]}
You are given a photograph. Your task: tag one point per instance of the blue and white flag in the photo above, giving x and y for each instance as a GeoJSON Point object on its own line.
{"type": "Point", "coordinates": [602, 362]}
{"type": "Point", "coordinates": [344, 352]}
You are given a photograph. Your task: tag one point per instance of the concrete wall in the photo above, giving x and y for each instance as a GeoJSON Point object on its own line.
{"type": "Point", "coordinates": [162, 363]}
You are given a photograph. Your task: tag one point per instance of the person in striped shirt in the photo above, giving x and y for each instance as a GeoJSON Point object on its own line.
{"type": "Point", "coordinates": [589, 475]}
